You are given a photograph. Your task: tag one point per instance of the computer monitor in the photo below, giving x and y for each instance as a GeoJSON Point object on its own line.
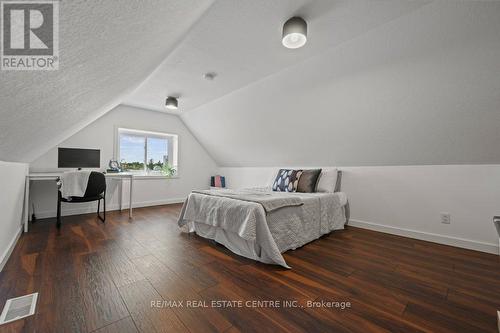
{"type": "Point", "coordinates": [79, 158]}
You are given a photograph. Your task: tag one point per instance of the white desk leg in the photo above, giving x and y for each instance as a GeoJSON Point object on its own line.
{"type": "Point", "coordinates": [131, 196]}
{"type": "Point", "coordinates": [26, 203]}
{"type": "Point", "coordinates": [120, 199]}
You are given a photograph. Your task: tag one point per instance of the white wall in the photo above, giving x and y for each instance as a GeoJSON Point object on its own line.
{"type": "Point", "coordinates": [12, 183]}
{"type": "Point", "coordinates": [408, 200]}
{"type": "Point", "coordinates": [195, 165]}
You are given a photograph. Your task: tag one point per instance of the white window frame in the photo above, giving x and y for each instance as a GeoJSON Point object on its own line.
{"type": "Point", "coordinates": [173, 147]}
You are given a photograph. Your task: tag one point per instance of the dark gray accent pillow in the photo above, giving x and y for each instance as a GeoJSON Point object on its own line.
{"type": "Point", "coordinates": [308, 180]}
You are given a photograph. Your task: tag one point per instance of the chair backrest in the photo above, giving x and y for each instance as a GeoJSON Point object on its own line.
{"type": "Point", "coordinates": [96, 184]}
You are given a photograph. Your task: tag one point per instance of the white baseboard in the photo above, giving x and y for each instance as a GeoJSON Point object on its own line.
{"type": "Point", "coordinates": [66, 209]}
{"type": "Point", "coordinates": [8, 251]}
{"type": "Point", "coordinates": [426, 236]}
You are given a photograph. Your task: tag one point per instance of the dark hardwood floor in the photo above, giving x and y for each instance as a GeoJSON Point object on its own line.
{"type": "Point", "coordinates": [102, 278]}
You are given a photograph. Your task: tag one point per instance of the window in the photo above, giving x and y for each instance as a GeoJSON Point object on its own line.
{"type": "Point", "coordinates": [149, 152]}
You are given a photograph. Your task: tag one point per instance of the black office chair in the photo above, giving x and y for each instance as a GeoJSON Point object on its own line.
{"type": "Point", "coordinates": [96, 191]}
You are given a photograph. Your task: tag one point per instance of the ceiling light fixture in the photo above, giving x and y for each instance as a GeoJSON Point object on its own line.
{"type": "Point", "coordinates": [171, 103]}
{"type": "Point", "coordinates": [210, 76]}
{"type": "Point", "coordinates": [294, 33]}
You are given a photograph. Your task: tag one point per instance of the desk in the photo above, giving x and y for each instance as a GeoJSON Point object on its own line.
{"type": "Point", "coordinates": [54, 176]}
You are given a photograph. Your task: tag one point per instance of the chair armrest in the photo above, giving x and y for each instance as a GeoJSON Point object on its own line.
{"type": "Point", "coordinates": [496, 223]}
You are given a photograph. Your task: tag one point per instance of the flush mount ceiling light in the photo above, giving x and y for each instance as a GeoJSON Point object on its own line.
{"type": "Point", "coordinates": [294, 33]}
{"type": "Point", "coordinates": [171, 103]}
{"type": "Point", "coordinates": [210, 76]}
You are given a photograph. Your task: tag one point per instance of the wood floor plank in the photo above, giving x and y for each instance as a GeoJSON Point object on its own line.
{"type": "Point", "coordinates": [193, 274]}
{"type": "Point", "coordinates": [101, 300]}
{"type": "Point", "coordinates": [166, 282]}
{"type": "Point", "coordinates": [173, 287]}
{"type": "Point", "coordinates": [61, 308]}
{"type": "Point", "coordinates": [360, 318]}
{"type": "Point", "coordinates": [257, 287]}
{"type": "Point", "coordinates": [133, 249]}
{"type": "Point", "coordinates": [125, 325]}
{"type": "Point", "coordinates": [438, 321]}
{"type": "Point", "coordinates": [140, 298]}
{"type": "Point", "coordinates": [249, 320]}
{"type": "Point", "coordinates": [119, 267]}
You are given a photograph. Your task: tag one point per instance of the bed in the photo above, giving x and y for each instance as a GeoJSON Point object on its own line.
{"type": "Point", "coordinates": [261, 224]}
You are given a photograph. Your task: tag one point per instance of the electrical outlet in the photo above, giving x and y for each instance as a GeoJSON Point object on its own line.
{"type": "Point", "coordinates": [445, 218]}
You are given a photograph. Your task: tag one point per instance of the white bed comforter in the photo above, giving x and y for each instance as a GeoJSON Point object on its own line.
{"type": "Point", "coordinates": [246, 229]}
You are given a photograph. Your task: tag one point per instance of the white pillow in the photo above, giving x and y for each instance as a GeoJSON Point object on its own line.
{"type": "Point", "coordinates": [327, 180]}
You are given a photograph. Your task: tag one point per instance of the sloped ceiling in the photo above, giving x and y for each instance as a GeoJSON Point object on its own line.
{"type": "Point", "coordinates": [106, 49]}
{"type": "Point", "coordinates": [241, 42]}
{"type": "Point", "coordinates": [422, 88]}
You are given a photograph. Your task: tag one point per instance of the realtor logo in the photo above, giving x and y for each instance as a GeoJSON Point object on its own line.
{"type": "Point", "coordinates": [30, 35]}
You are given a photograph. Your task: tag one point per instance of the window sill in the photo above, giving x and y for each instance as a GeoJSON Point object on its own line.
{"type": "Point", "coordinates": [152, 176]}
